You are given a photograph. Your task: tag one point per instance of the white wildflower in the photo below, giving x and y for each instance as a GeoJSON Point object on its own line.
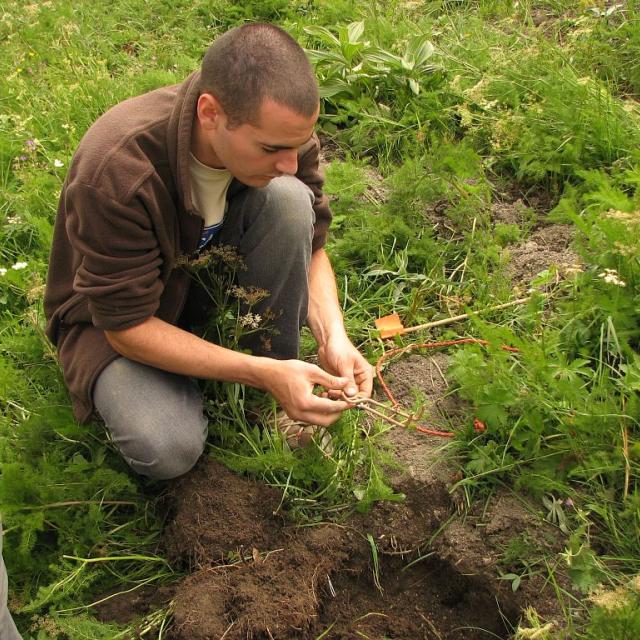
{"type": "Point", "coordinates": [14, 219]}
{"type": "Point", "coordinates": [3, 271]}
{"type": "Point", "coordinates": [250, 320]}
{"type": "Point", "coordinates": [610, 276]}
{"type": "Point", "coordinates": [58, 163]}
{"type": "Point", "coordinates": [19, 265]}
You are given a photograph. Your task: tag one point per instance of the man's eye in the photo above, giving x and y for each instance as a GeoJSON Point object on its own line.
{"type": "Point", "coordinates": [267, 150]}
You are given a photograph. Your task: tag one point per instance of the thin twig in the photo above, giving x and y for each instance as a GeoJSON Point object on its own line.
{"type": "Point", "coordinates": [437, 366]}
{"type": "Point", "coordinates": [431, 626]}
{"type": "Point", "coordinates": [462, 316]}
{"type": "Point", "coordinates": [227, 631]}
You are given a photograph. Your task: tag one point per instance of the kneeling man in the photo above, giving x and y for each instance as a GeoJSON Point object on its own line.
{"type": "Point", "coordinates": [228, 157]}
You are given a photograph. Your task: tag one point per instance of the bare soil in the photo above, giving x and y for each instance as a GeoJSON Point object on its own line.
{"type": "Point", "coordinates": [547, 246]}
{"type": "Point", "coordinates": [279, 581]}
{"type": "Point", "coordinates": [473, 537]}
{"type": "Point", "coordinates": [254, 574]}
{"type": "Point", "coordinates": [125, 607]}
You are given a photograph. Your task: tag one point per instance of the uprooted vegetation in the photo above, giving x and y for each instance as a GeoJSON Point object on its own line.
{"type": "Point", "coordinates": [475, 152]}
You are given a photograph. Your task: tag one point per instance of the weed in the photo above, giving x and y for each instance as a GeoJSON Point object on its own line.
{"type": "Point", "coordinates": [375, 561]}
{"type": "Point", "coordinates": [376, 97]}
{"type": "Point", "coordinates": [617, 613]}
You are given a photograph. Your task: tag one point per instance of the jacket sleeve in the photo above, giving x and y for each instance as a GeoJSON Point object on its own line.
{"type": "Point", "coordinates": [310, 172]}
{"type": "Point", "coordinates": [119, 258]}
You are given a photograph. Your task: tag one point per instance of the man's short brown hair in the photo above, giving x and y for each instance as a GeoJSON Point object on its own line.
{"type": "Point", "coordinates": [254, 62]}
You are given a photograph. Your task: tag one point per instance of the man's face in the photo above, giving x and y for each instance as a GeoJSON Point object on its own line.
{"type": "Point", "coordinates": [254, 154]}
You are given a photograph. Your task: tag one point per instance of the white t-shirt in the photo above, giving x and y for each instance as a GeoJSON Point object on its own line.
{"type": "Point", "coordinates": [209, 194]}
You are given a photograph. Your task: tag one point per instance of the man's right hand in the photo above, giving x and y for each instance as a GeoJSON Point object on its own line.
{"type": "Point", "coordinates": [292, 384]}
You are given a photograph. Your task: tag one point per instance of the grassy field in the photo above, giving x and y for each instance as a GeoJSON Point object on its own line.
{"type": "Point", "coordinates": [435, 116]}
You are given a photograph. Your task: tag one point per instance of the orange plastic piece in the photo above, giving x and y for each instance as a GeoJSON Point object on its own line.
{"type": "Point", "coordinates": [389, 326]}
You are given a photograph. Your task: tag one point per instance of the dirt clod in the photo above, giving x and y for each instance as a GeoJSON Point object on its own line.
{"type": "Point", "coordinates": [216, 514]}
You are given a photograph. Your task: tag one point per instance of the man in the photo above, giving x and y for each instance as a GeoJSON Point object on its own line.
{"type": "Point", "coordinates": [226, 158]}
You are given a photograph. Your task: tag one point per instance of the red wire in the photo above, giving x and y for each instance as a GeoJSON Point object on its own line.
{"type": "Point", "coordinates": [478, 425]}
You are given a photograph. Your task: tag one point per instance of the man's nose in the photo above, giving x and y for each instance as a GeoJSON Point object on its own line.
{"type": "Point", "coordinates": [287, 162]}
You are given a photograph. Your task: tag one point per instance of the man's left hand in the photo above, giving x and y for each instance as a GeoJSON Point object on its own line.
{"type": "Point", "coordinates": [339, 357]}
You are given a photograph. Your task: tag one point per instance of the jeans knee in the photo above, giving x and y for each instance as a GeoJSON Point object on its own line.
{"type": "Point", "coordinates": [155, 418]}
{"type": "Point", "coordinates": [290, 202]}
{"type": "Point", "coordinates": [169, 458]}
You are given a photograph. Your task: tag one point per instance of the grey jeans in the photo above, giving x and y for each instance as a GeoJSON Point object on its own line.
{"type": "Point", "coordinates": [8, 629]}
{"type": "Point", "coordinates": [155, 418]}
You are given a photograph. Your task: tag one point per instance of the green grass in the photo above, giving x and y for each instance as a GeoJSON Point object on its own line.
{"type": "Point", "coordinates": [436, 108]}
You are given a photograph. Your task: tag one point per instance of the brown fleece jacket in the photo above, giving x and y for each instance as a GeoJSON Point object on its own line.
{"type": "Point", "coordinates": [125, 216]}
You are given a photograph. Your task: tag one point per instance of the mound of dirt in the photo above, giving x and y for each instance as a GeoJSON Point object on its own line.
{"type": "Point", "coordinates": [217, 514]}
{"type": "Point", "coordinates": [547, 246]}
{"type": "Point", "coordinates": [416, 569]}
{"type": "Point", "coordinates": [299, 583]}
{"type": "Point", "coordinates": [277, 594]}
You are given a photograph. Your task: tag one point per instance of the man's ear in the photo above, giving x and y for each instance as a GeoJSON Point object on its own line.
{"type": "Point", "coordinates": [209, 111]}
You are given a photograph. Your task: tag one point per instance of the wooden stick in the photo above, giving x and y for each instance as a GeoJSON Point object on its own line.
{"type": "Point", "coordinates": [464, 316]}
{"type": "Point", "coordinates": [381, 415]}
{"type": "Point", "coordinates": [361, 403]}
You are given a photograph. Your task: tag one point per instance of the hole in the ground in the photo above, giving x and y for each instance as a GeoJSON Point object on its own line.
{"type": "Point", "coordinates": [429, 599]}
{"type": "Point", "coordinates": [303, 583]}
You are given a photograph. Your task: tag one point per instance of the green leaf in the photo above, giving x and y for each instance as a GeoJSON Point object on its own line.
{"type": "Point", "coordinates": [380, 55]}
{"type": "Point", "coordinates": [333, 88]}
{"type": "Point", "coordinates": [355, 31]}
{"type": "Point", "coordinates": [329, 57]}
{"type": "Point", "coordinates": [324, 34]}
{"type": "Point", "coordinates": [407, 62]}
{"type": "Point", "coordinates": [420, 51]}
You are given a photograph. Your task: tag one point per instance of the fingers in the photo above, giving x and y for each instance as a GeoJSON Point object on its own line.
{"type": "Point", "coordinates": [364, 379]}
{"type": "Point", "coordinates": [330, 382]}
{"type": "Point", "coordinates": [294, 391]}
{"type": "Point", "coordinates": [360, 382]}
{"type": "Point", "coordinates": [360, 374]}
{"type": "Point", "coordinates": [349, 363]}
{"type": "Point", "coordinates": [351, 388]}
{"type": "Point", "coordinates": [317, 410]}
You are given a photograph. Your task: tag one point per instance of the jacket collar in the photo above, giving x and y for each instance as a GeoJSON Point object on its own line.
{"type": "Point", "coordinates": [179, 136]}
